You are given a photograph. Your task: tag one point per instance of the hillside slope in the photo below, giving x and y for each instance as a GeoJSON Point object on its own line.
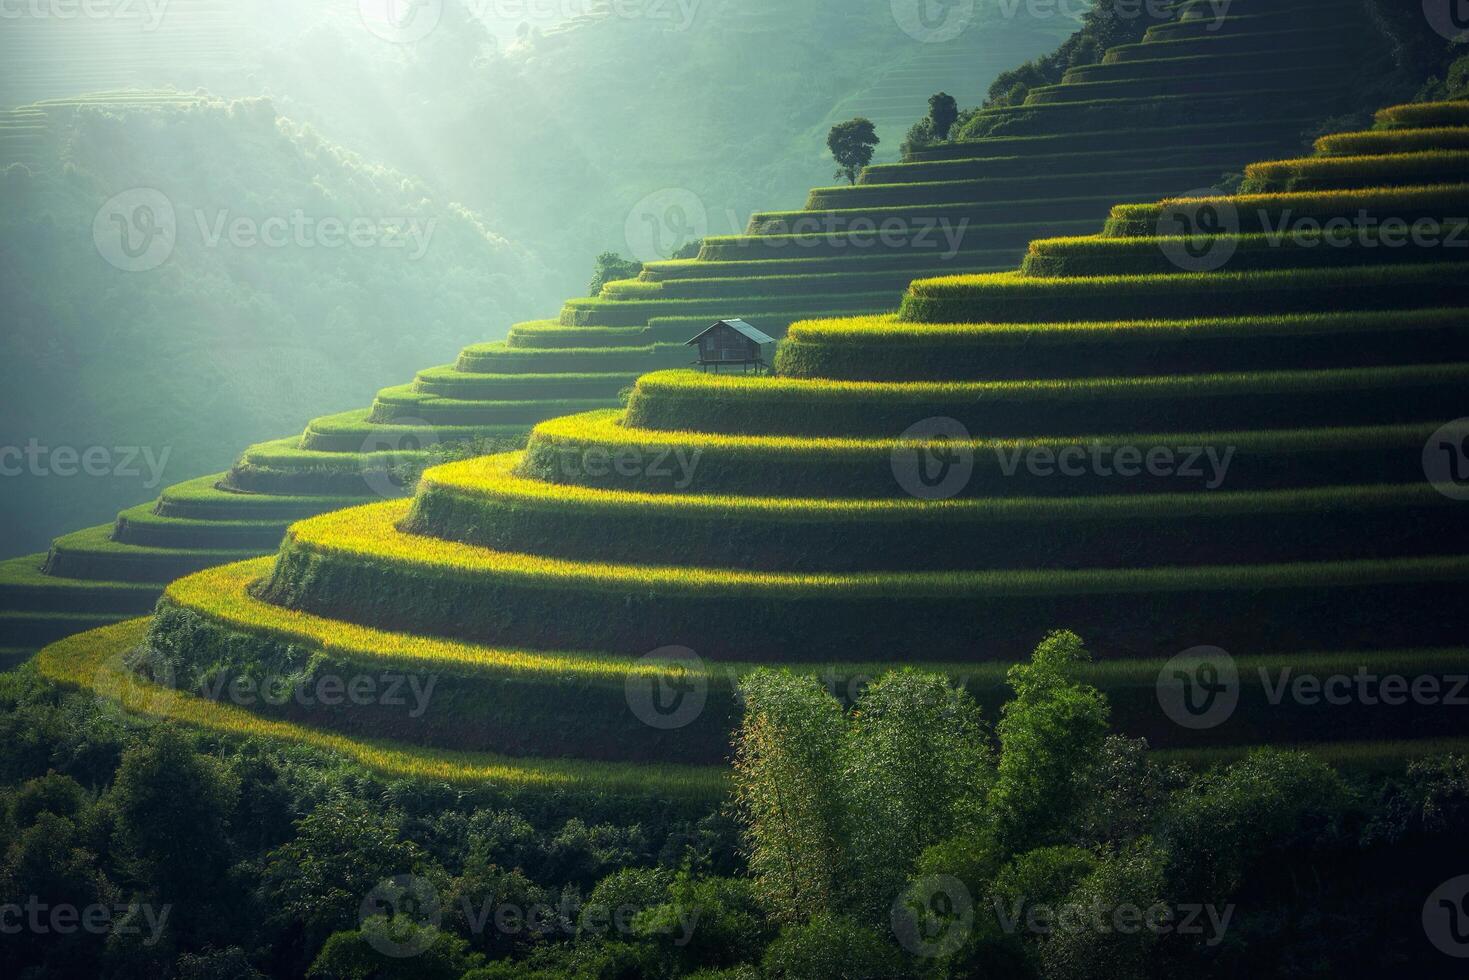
{"type": "Point", "coordinates": [188, 271]}
{"type": "Point", "coordinates": [802, 519]}
{"type": "Point", "coordinates": [965, 206]}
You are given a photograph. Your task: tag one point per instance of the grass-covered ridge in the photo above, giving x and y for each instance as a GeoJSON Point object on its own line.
{"type": "Point", "coordinates": [94, 660]}
{"type": "Point", "coordinates": [757, 519]}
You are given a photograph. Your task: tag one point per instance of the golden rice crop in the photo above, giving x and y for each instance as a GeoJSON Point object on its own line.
{"type": "Point", "coordinates": [93, 661]}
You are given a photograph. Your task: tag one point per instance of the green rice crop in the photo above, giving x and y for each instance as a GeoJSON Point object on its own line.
{"type": "Point", "coordinates": [1012, 297]}
{"type": "Point", "coordinates": [1380, 141]}
{"type": "Point", "coordinates": [1261, 212]}
{"type": "Point", "coordinates": [829, 285]}
{"type": "Point", "coordinates": [93, 661]}
{"type": "Point", "coordinates": [1083, 184]}
{"type": "Point", "coordinates": [142, 526]}
{"type": "Point", "coordinates": [885, 348]}
{"type": "Point", "coordinates": [1217, 157]}
{"type": "Point", "coordinates": [92, 554]}
{"type": "Point", "coordinates": [921, 216]}
{"type": "Point", "coordinates": [772, 465]}
{"type": "Point", "coordinates": [618, 313]}
{"type": "Point", "coordinates": [1424, 115]}
{"type": "Point", "coordinates": [1280, 80]}
{"type": "Point", "coordinates": [25, 587]}
{"type": "Point", "coordinates": [1097, 255]}
{"type": "Point", "coordinates": [1384, 170]}
{"type": "Point", "coordinates": [484, 502]}
{"type": "Point", "coordinates": [203, 499]}
{"type": "Point", "coordinates": [742, 404]}
{"type": "Point", "coordinates": [497, 359]}
{"type": "Point", "coordinates": [358, 566]}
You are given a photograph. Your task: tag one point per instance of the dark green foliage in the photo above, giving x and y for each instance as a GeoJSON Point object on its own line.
{"type": "Point", "coordinates": [173, 808]}
{"type": "Point", "coordinates": [1048, 733]}
{"type": "Point", "coordinates": [1131, 879]}
{"type": "Point", "coordinates": [217, 964]}
{"type": "Point", "coordinates": [832, 948]}
{"type": "Point", "coordinates": [918, 770]}
{"type": "Point", "coordinates": [851, 144]}
{"type": "Point", "coordinates": [1227, 823]}
{"type": "Point", "coordinates": [943, 112]}
{"type": "Point", "coordinates": [1103, 26]}
{"type": "Point", "coordinates": [611, 267]}
{"type": "Point", "coordinates": [359, 955]}
{"type": "Point", "coordinates": [788, 765]}
{"type": "Point", "coordinates": [342, 850]}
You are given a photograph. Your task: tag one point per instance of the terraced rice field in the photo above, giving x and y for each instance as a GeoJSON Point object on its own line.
{"type": "Point", "coordinates": [962, 207]}
{"type": "Point", "coordinates": [788, 520]}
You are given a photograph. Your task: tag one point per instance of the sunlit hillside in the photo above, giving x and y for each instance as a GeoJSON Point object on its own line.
{"type": "Point", "coordinates": [181, 278]}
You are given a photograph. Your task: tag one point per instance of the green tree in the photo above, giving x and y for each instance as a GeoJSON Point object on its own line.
{"type": "Point", "coordinates": [610, 268]}
{"type": "Point", "coordinates": [343, 849]}
{"type": "Point", "coordinates": [45, 867]}
{"type": "Point", "coordinates": [173, 809]}
{"type": "Point", "coordinates": [943, 112]}
{"type": "Point", "coordinates": [359, 955]}
{"type": "Point", "coordinates": [851, 144]}
{"type": "Point", "coordinates": [1128, 883]}
{"type": "Point", "coordinates": [832, 948]}
{"type": "Point", "coordinates": [1051, 734]}
{"type": "Point", "coordinates": [918, 768]}
{"type": "Point", "coordinates": [788, 771]}
{"type": "Point", "coordinates": [707, 923]}
{"type": "Point", "coordinates": [1232, 821]}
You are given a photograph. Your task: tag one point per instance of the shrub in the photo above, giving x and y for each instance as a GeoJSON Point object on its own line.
{"type": "Point", "coordinates": [610, 267]}
{"type": "Point", "coordinates": [832, 948]}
